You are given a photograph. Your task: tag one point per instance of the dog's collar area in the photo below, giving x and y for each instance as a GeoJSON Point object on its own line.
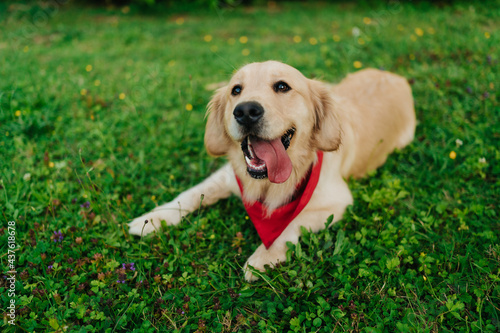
{"type": "Point", "coordinates": [270, 227]}
{"type": "Point", "coordinates": [256, 167]}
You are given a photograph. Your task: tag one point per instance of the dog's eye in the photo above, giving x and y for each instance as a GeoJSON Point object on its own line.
{"type": "Point", "coordinates": [281, 87]}
{"type": "Point", "coordinates": [236, 90]}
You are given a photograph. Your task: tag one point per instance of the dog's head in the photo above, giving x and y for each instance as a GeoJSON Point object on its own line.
{"type": "Point", "coordinates": [274, 119]}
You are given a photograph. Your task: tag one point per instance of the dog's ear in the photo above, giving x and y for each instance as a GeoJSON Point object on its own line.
{"type": "Point", "coordinates": [326, 130]}
{"type": "Point", "coordinates": [217, 142]}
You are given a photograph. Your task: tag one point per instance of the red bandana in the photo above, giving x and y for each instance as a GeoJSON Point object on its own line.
{"type": "Point", "coordinates": [269, 228]}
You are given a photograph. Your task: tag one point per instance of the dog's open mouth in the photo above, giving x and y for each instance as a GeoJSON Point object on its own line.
{"type": "Point", "coordinates": [268, 158]}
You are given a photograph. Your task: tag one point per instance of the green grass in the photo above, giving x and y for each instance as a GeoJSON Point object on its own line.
{"type": "Point", "coordinates": [418, 252]}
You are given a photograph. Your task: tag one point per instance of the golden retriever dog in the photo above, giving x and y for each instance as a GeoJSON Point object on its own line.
{"type": "Point", "coordinates": [291, 143]}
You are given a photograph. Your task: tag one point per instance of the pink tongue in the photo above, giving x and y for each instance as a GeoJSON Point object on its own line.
{"type": "Point", "coordinates": [279, 166]}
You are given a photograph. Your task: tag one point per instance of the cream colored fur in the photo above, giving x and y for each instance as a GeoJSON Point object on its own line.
{"type": "Point", "coordinates": [357, 123]}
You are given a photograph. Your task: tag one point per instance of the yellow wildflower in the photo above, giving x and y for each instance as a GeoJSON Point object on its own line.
{"type": "Point", "coordinates": [357, 64]}
{"type": "Point", "coordinates": [453, 155]}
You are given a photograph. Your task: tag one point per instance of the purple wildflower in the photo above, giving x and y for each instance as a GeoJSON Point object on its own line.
{"type": "Point", "coordinates": [486, 94]}
{"type": "Point", "coordinates": [50, 267]}
{"type": "Point", "coordinates": [86, 204]}
{"type": "Point", "coordinates": [128, 266]}
{"type": "Point", "coordinates": [58, 236]}
{"type": "Point", "coordinates": [469, 89]}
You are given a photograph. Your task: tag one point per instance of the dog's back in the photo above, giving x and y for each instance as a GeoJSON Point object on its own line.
{"type": "Point", "coordinates": [377, 114]}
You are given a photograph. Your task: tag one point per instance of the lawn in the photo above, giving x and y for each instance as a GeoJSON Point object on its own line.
{"type": "Point", "coordinates": [102, 119]}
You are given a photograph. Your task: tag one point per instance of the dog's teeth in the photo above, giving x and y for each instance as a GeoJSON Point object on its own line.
{"type": "Point", "coordinates": [250, 149]}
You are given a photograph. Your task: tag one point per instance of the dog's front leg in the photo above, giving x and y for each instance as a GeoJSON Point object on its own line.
{"type": "Point", "coordinates": [218, 186]}
{"type": "Point", "coordinates": [313, 217]}
{"type": "Point", "coordinates": [276, 253]}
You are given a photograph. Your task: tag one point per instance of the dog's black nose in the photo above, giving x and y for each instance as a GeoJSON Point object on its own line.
{"type": "Point", "coordinates": [248, 113]}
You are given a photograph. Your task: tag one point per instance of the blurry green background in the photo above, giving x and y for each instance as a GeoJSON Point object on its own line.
{"type": "Point", "coordinates": [102, 117]}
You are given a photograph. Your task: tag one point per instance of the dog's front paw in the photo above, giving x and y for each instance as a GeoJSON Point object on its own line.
{"type": "Point", "coordinates": [262, 257]}
{"type": "Point", "coordinates": [139, 226]}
